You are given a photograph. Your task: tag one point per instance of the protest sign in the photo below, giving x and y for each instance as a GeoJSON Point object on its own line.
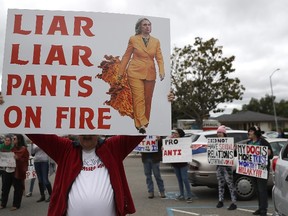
{"type": "Point", "coordinates": [177, 150]}
{"type": "Point", "coordinates": [60, 74]}
{"type": "Point", "coordinates": [252, 160]}
{"type": "Point", "coordinates": [148, 145]}
{"type": "Point", "coordinates": [31, 173]}
{"type": "Point", "coordinates": [220, 151]}
{"type": "Point", "coordinates": [7, 159]}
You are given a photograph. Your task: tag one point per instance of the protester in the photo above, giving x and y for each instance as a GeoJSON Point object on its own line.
{"type": "Point", "coordinates": [90, 174]}
{"type": "Point", "coordinates": [254, 135]}
{"type": "Point", "coordinates": [15, 175]}
{"type": "Point", "coordinates": [5, 146]}
{"type": "Point", "coordinates": [32, 180]}
{"type": "Point", "coordinates": [41, 164]}
{"type": "Point", "coordinates": [181, 171]}
{"type": "Point", "coordinates": [225, 176]}
{"type": "Point", "coordinates": [151, 163]}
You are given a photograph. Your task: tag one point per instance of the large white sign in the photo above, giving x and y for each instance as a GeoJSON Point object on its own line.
{"type": "Point", "coordinates": [220, 151]}
{"type": "Point", "coordinates": [60, 74]}
{"type": "Point", "coordinates": [7, 159]}
{"type": "Point", "coordinates": [177, 150]}
{"type": "Point", "coordinates": [252, 160]}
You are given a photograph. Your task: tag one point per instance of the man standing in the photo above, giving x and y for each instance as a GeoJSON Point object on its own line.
{"type": "Point", "coordinates": [151, 163]}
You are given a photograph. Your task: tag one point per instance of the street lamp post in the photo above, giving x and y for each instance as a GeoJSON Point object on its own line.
{"type": "Point", "coordinates": [274, 109]}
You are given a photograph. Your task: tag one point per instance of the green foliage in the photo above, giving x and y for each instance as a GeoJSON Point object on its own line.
{"type": "Point", "coordinates": [201, 81]}
{"type": "Point", "coordinates": [265, 105]}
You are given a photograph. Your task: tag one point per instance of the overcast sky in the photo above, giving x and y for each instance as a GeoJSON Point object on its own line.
{"type": "Point", "coordinates": [254, 31]}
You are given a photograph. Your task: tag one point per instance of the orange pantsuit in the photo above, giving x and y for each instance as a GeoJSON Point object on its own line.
{"type": "Point", "coordinates": [141, 73]}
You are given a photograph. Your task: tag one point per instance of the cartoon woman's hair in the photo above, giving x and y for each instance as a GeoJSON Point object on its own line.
{"type": "Point", "coordinates": [138, 25]}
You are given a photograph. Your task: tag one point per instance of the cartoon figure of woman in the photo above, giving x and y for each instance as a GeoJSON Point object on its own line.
{"type": "Point", "coordinates": [139, 63]}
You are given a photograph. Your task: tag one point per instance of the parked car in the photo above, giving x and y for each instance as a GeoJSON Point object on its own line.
{"type": "Point", "coordinates": [203, 174]}
{"type": "Point", "coordinates": [280, 189]}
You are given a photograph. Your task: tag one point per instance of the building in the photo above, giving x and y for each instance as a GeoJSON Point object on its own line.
{"type": "Point", "coordinates": [245, 119]}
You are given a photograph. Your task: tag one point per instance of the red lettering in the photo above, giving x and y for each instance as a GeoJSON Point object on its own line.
{"type": "Point", "coordinates": [18, 119]}
{"type": "Point", "coordinates": [39, 24]}
{"type": "Point", "coordinates": [68, 80]}
{"type": "Point", "coordinates": [102, 117]}
{"type": "Point", "coordinates": [13, 81]}
{"type": "Point", "coordinates": [18, 24]}
{"type": "Point", "coordinates": [15, 56]}
{"type": "Point", "coordinates": [29, 85]}
{"type": "Point", "coordinates": [88, 88]}
{"type": "Point", "coordinates": [32, 116]}
{"type": "Point", "coordinates": [84, 57]}
{"type": "Point", "coordinates": [56, 54]}
{"type": "Point", "coordinates": [49, 84]}
{"type": "Point", "coordinates": [86, 116]}
{"type": "Point", "coordinates": [86, 28]}
{"type": "Point", "coordinates": [58, 24]}
{"type": "Point", "coordinates": [36, 54]}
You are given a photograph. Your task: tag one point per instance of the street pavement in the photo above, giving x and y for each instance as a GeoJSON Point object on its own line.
{"type": "Point", "coordinates": [204, 198]}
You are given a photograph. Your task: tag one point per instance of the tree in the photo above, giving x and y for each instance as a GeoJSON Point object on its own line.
{"type": "Point", "coordinates": [265, 105]}
{"type": "Point", "coordinates": [200, 80]}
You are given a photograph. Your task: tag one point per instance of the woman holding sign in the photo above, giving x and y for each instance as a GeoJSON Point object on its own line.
{"type": "Point", "coordinates": [225, 176]}
{"type": "Point", "coordinates": [181, 171]}
{"type": "Point", "coordinates": [255, 138]}
{"type": "Point", "coordinates": [16, 175]}
{"type": "Point", "coordinates": [141, 71]}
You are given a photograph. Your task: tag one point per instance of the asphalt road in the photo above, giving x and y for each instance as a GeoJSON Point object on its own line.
{"type": "Point", "coordinates": [204, 200]}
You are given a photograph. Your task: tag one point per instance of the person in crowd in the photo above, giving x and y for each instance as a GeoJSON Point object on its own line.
{"type": "Point", "coordinates": [151, 163]}
{"type": "Point", "coordinates": [225, 176]}
{"type": "Point", "coordinates": [141, 71]}
{"type": "Point", "coordinates": [5, 146]}
{"type": "Point", "coordinates": [181, 171]}
{"type": "Point", "coordinates": [255, 138]}
{"type": "Point", "coordinates": [41, 164]}
{"type": "Point", "coordinates": [281, 133]}
{"type": "Point", "coordinates": [15, 175]}
{"type": "Point", "coordinates": [32, 180]}
{"type": "Point", "coordinates": [90, 174]}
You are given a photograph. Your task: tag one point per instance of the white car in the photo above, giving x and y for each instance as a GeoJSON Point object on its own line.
{"type": "Point", "coordinates": [280, 189]}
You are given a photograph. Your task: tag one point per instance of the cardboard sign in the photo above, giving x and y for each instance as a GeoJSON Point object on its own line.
{"type": "Point", "coordinates": [220, 151]}
{"type": "Point", "coordinates": [177, 150]}
{"type": "Point", "coordinates": [60, 74]}
{"type": "Point", "coordinates": [31, 172]}
{"type": "Point", "coordinates": [252, 160]}
{"type": "Point", "coordinates": [7, 159]}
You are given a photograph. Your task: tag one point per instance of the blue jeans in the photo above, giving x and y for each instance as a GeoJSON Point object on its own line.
{"type": "Point", "coordinates": [42, 170]}
{"type": "Point", "coordinates": [182, 177]}
{"type": "Point", "coordinates": [150, 167]}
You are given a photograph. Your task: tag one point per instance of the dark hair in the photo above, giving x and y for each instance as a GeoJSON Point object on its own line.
{"type": "Point", "coordinates": [9, 136]}
{"type": "Point", "coordinates": [256, 130]}
{"type": "Point", "coordinates": [180, 132]}
{"type": "Point", "coordinates": [21, 140]}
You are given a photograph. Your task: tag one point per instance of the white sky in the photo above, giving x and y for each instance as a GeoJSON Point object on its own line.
{"type": "Point", "coordinates": [255, 31]}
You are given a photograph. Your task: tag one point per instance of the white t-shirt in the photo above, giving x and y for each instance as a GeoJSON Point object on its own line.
{"type": "Point", "coordinates": [91, 194]}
